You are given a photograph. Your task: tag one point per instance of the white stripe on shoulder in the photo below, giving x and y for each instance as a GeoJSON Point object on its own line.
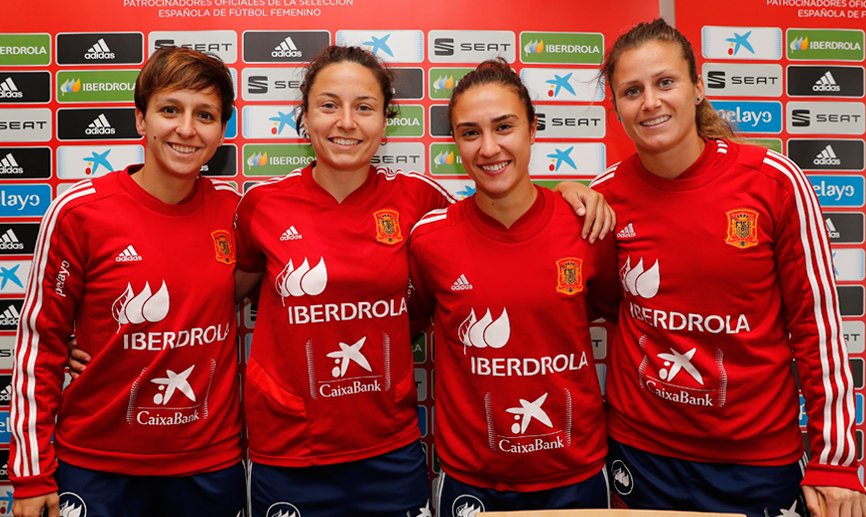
{"type": "Point", "coordinates": [608, 174]}
{"type": "Point", "coordinates": [390, 174]}
{"type": "Point", "coordinates": [817, 254]}
{"type": "Point", "coordinates": [224, 186]}
{"type": "Point", "coordinates": [26, 461]}
{"type": "Point", "coordinates": [439, 214]}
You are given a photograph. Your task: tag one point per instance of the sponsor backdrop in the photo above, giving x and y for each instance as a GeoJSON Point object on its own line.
{"type": "Point", "coordinates": [67, 72]}
{"type": "Point", "coordinates": [790, 75]}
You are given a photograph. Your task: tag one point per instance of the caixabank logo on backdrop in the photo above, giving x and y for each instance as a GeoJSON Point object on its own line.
{"type": "Point", "coordinates": [25, 125]}
{"type": "Point", "coordinates": [25, 163]}
{"type": "Point", "coordinates": [18, 238]}
{"type": "Point", "coordinates": [222, 43]}
{"type": "Point", "coordinates": [408, 156]}
{"type": "Point", "coordinates": [110, 48]}
{"type": "Point", "coordinates": [824, 44]}
{"type": "Point", "coordinates": [751, 116]}
{"type": "Point", "coordinates": [563, 84]}
{"type": "Point", "coordinates": [832, 155]}
{"type": "Point", "coordinates": [283, 46]}
{"type": "Point", "coordinates": [742, 80]}
{"type": "Point", "coordinates": [25, 49]}
{"type": "Point", "coordinates": [562, 47]}
{"type": "Point", "coordinates": [78, 162]}
{"type": "Point", "coordinates": [832, 118]}
{"type": "Point", "coordinates": [270, 122]}
{"type": "Point", "coordinates": [96, 85]}
{"type": "Point", "coordinates": [397, 46]}
{"type": "Point", "coordinates": [96, 124]}
{"type": "Point", "coordinates": [276, 159]}
{"type": "Point", "coordinates": [272, 84]}
{"type": "Point", "coordinates": [567, 159]}
{"type": "Point", "coordinates": [845, 227]}
{"type": "Point", "coordinates": [825, 81]}
{"type": "Point", "coordinates": [32, 87]}
{"type": "Point", "coordinates": [750, 43]}
{"type": "Point", "coordinates": [571, 121]}
{"type": "Point", "coordinates": [223, 163]}
{"type": "Point", "coordinates": [470, 46]}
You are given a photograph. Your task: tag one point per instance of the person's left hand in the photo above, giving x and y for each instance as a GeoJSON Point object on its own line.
{"type": "Point", "coordinates": [833, 501]}
{"type": "Point", "coordinates": [599, 217]}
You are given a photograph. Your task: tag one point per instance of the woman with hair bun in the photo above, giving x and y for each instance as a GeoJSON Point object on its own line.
{"type": "Point", "coordinates": [512, 287]}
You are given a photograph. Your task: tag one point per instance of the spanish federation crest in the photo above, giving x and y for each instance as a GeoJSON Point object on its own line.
{"type": "Point", "coordinates": [223, 246]}
{"type": "Point", "coordinates": [742, 228]}
{"type": "Point", "coordinates": [388, 226]}
{"type": "Point", "coordinates": [569, 275]}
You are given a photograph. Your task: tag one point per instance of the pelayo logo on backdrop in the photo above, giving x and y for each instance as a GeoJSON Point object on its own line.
{"type": "Point", "coordinates": [100, 48]}
{"type": "Point", "coordinates": [825, 44]}
{"type": "Point", "coordinates": [838, 190]}
{"type": "Point", "coordinates": [751, 116]}
{"type": "Point", "coordinates": [562, 47]}
{"type": "Point", "coordinates": [24, 200]}
{"type": "Point", "coordinates": [25, 49]}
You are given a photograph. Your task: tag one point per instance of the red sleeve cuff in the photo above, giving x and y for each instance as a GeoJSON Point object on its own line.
{"type": "Point", "coordinates": [830, 475]}
{"type": "Point", "coordinates": [32, 486]}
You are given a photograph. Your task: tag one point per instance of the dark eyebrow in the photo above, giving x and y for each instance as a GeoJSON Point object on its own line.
{"type": "Point", "coordinates": [495, 120]}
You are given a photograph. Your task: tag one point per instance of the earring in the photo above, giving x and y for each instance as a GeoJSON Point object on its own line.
{"type": "Point", "coordinates": [697, 100]}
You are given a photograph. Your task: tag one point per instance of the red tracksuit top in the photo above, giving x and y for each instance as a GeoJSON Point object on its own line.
{"type": "Point", "coordinates": [518, 403]}
{"type": "Point", "coordinates": [149, 288]}
{"type": "Point", "coordinates": [330, 374]}
{"type": "Point", "coordinates": [727, 277]}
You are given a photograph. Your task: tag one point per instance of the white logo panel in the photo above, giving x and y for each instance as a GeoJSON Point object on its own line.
{"type": "Point", "coordinates": [741, 42]}
{"type": "Point", "coordinates": [563, 84]}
